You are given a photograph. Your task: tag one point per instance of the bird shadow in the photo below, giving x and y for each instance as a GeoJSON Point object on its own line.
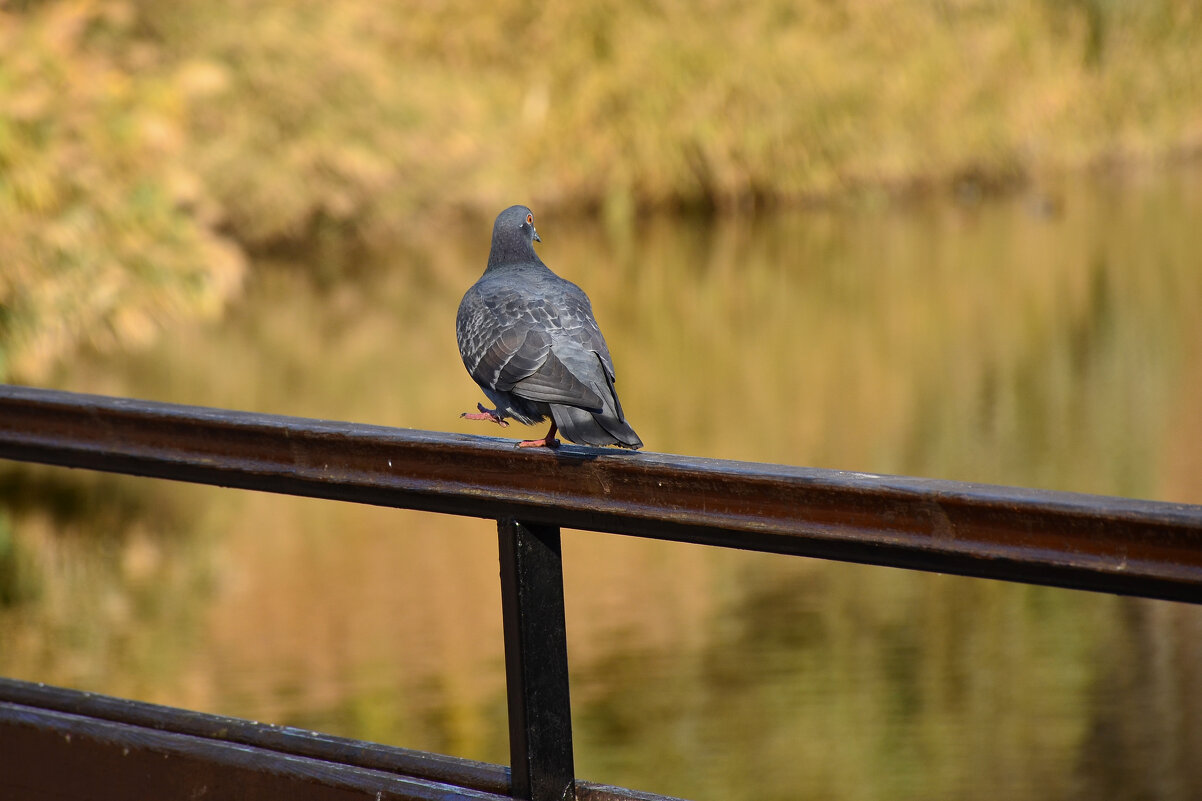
{"type": "Point", "coordinates": [588, 453]}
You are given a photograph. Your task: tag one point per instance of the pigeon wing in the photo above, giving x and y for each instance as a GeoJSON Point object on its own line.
{"type": "Point", "coordinates": [556, 380]}
{"type": "Point", "coordinates": [581, 348]}
{"type": "Point", "coordinates": [506, 345]}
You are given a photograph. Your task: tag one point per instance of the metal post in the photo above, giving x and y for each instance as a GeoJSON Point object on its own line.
{"type": "Point", "coordinates": [536, 662]}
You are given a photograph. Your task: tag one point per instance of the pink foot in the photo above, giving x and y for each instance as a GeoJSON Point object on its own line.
{"type": "Point", "coordinates": [548, 441]}
{"type": "Point", "coordinates": [485, 414]}
{"type": "Point", "coordinates": [545, 442]}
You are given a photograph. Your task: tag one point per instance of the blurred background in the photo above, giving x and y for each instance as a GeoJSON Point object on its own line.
{"type": "Point", "coordinates": [958, 240]}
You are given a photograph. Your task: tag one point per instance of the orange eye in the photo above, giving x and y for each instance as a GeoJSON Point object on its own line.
{"type": "Point", "coordinates": [530, 218]}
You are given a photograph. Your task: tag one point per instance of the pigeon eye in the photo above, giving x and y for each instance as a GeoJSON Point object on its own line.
{"type": "Point", "coordinates": [530, 219]}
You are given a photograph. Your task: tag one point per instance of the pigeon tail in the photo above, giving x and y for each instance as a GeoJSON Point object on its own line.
{"type": "Point", "coordinates": [594, 428]}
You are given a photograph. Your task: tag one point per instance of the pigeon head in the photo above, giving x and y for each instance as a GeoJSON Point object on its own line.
{"type": "Point", "coordinates": [513, 237]}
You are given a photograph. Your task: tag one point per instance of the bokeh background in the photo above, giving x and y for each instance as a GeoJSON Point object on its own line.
{"type": "Point", "coordinates": [953, 239]}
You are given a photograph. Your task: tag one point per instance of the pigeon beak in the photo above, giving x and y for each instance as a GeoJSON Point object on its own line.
{"type": "Point", "coordinates": [537, 238]}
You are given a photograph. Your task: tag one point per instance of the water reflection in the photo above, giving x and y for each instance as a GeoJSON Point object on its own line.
{"type": "Point", "coordinates": [1056, 347]}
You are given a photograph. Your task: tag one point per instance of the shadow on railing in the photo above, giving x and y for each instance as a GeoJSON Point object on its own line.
{"type": "Point", "coordinates": [1116, 545]}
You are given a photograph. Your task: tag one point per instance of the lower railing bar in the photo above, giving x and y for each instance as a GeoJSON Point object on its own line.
{"type": "Point", "coordinates": [536, 662]}
{"type": "Point", "coordinates": [21, 701]}
{"type": "Point", "coordinates": [46, 754]}
{"type": "Point", "coordinates": [282, 739]}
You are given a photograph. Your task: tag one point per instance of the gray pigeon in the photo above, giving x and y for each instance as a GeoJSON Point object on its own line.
{"type": "Point", "coordinates": [529, 339]}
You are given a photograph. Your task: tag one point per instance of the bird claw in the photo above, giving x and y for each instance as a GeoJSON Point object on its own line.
{"type": "Point", "coordinates": [486, 414]}
{"type": "Point", "coordinates": [546, 442]}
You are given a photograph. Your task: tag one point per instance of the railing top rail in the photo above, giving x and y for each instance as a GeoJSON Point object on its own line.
{"type": "Point", "coordinates": [1119, 545]}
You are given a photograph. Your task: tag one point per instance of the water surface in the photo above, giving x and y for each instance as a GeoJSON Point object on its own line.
{"type": "Point", "coordinates": [1051, 339]}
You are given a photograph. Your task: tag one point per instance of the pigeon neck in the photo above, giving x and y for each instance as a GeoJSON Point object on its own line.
{"type": "Point", "coordinates": [511, 252]}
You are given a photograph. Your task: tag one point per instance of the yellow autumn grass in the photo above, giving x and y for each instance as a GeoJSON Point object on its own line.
{"type": "Point", "coordinates": [146, 148]}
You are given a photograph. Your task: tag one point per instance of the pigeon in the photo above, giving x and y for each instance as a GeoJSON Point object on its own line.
{"type": "Point", "coordinates": [529, 339]}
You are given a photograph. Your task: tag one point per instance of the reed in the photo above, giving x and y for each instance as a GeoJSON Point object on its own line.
{"type": "Point", "coordinates": [146, 149]}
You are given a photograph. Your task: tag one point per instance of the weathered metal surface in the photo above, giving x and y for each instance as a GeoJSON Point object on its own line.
{"type": "Point", "coordinates": [1101, 543]}
{"type": "Point", "coordinates": [588, 791]}
{"type": "Point", "coordinates": [279, 739]}
{"type": "Point", "coordinates": [54, 755]}
{"type": "Point", "coordinates": [536, 662]}
{"type": "Point", "coordinates": [101, 763]}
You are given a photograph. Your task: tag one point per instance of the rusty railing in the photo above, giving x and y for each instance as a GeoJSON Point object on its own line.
{"type": "Point", "coordinates": [1116, 545]}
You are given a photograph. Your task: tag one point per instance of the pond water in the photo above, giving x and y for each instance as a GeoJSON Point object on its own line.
{"type": "Point", "coordinates": [1050, 339]}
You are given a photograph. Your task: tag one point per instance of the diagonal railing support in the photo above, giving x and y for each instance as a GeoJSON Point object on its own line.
{"type": "Point", "coordinates": [536, 662]}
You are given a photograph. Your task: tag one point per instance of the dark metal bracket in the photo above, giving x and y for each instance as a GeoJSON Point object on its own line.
{"type": "Point", "coordinates": [536, 661]}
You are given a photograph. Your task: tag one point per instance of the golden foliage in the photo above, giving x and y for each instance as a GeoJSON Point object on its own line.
{"type": "Point", "coordinates": [105, 232]}
{"type": "Point", "coordinates": [133, 135]}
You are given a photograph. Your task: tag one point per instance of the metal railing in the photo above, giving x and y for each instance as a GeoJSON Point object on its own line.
{"type": "Point", "coordinates": [1116, 545]}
